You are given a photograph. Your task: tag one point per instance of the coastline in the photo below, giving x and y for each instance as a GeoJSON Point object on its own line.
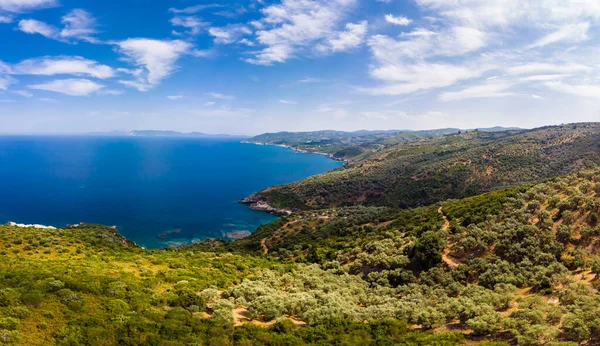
{"type": "Point", "coordinates": [301, 151]}
{"type": "Point", "coordinates": [256, 203]}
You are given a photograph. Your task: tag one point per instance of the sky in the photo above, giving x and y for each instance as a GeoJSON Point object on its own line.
{"type": "Point", "coordinates": [255, 66]}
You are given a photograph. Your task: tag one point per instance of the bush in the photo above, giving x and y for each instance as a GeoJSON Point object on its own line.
{"type": "Point", "coordinates": [9, 323]}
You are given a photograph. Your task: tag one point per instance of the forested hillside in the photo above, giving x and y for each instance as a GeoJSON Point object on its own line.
{"type": "Point", "coordinates": [451, 166]}
{"type": "Point", "coordinates": [517, 265]}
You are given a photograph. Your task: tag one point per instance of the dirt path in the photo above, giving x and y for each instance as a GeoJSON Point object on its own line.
{"type": "Point", "coordinates": [446, 225]}
{"type": "Point", "coordinates": [451, 262]}
{"type": "Point", "coordinates": [264, 245]}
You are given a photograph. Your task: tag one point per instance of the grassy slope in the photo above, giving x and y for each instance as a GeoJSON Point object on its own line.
{"type": "Point", "coordinates": [452, 166]}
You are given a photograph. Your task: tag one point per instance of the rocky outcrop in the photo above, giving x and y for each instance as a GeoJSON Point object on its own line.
{"type": "Point", "coordinates": [255, 203]}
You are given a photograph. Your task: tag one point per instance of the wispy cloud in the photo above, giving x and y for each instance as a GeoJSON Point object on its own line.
{"type": "Point", "coordinates": [220, 96]}
{"type": "Point", "coordinates": [194, 25]}
{"type": "Point", "coordinates": [49, 66]}
{"type": "Point", "coordinates": [71, 87]}
{"type": "Point", "coordinates": [77, 25]}
{"type": "Point", "coordinates": [175, 97]}
{"type": "Point", "coordinates": [229, 34]}
{"type": "Point", "coordinates": [400, 20]}
{"type": "Point", "coordinates": [292, 28]}
{"type": "Point", "coordinates": [488, 90]}
{"type": "Point", "coordinates": [5, 81]}
{"type": "Point", "coordinates": [471, 39]}
{"type": "Point", "coordinates": [194, 9]}
{"type": "Point", "coordinates": [26, 5]}
{"type": "Point", "coordinates": [582, 90]}
{"type": "Point", "coordinates": [352, 37]}
{"type": "Point", "coordinates": [156, 58]}
{"type": "Point", "coordinates": [288, 102]}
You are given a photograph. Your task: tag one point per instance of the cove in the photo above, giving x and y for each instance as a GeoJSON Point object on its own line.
{"type": "Point", "coordinates": [156, 191]}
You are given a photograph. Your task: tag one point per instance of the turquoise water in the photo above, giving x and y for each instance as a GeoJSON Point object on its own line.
{"type": "Point", "coordinates": [157, 191]}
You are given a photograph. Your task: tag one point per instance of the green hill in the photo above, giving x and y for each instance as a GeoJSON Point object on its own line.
{"type": "Point", "coordinates": [451, 166]}
{"type": "Point", "coordinates": [517, 265]}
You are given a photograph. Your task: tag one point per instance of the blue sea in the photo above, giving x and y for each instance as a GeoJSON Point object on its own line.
{"type": "Point", "coordinates": [157, 191]}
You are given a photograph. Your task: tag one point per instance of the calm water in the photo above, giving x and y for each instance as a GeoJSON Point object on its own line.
{"type": "Point", "coordinates": [144, 186]}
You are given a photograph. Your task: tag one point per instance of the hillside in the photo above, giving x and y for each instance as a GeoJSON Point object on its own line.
{"type": "Point", "coordinates": [348, 145]}
{"type": "Point", "coordinates": [344, 145]}
{"type": "Point", "coordinates": [517, 265]}
{"type": "Point", "coordinates": [434, 169]}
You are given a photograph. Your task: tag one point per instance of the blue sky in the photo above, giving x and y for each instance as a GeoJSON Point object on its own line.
{"type": "Point", "coordinates": [254, 66]}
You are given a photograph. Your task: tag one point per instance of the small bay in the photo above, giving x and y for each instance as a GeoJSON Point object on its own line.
{"type": "Point", "coordinates": [157, 191]}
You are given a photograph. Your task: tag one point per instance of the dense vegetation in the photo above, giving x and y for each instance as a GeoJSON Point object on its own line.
{"type": "Point", "coordinates": [517, 265]}
{"type": "Point", "coordinates": [451, 166]}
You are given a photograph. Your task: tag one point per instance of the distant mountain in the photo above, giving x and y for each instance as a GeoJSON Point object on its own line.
{"type": "Point", "coordinates": [497, 129]}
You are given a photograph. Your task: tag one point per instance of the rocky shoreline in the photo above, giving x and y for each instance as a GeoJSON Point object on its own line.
{"type": "Point", "coordinates": [255, 203]}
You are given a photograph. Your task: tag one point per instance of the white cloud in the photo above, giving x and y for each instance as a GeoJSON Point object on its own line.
{"type": "Point", "coordinates": [5, 81]}
{"type": "Point", "coordinates": [503, 13]}
{"type": "Point", "coordinates": [220, 96]}
{"type": "Point", "coordinates": [293, 27]}
{"type": "Point", "coordinates": [569, 33]}
{"type": "Point", "coordinates": [537, 97]}
{"type": "Point", "coordinates": [546, 68]}
{"type": "Point", "coordinates": [397, 20]}
{"type": "Point", "coordinates": [175, 97]}
{"type": "Point", "coordinates": [192, 23]}
{"type": "Point", "coordinates": [5, 19]}
{"type": "Point", "coordinates": [140, 86]}
{"type": "Point", "coordinates": [493, 89]}
{"type": "Point", "coordinates": [194, 9]}
{"type": "Point", "coordinates": [582, 90]}
{"type": "Point", "coordinates": [72, 87]}
{"type": "Point", "coordinates": [352, 37]}
{"type": "Point", "coordinates": [229, 34]}
{"type": "Point", "coordinates": [543, 77]}
{"type": "Point", "coordinates": [157, 58]}
{"type": "Point", "coordinates": [405, 79]}
{"type": "Point", "coordinates": [32, 26]}
{"type": "Point", "coordinates": [78, 25]}
{"type": "Point", "coordinates": [26, 5]}
{"type": "Point", "coordinates": [49, 66]}
{"type": "Point", "coordinates": [209, 103]}
{"type": "Point", "coordinates": [470, 38]}
{"type": "Point", "coordinates": [288, 102]}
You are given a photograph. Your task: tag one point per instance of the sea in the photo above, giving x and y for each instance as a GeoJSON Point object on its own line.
{"type": "Point", "coordinates": [157, 191]}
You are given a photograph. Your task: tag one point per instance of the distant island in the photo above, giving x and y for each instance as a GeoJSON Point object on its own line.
{"type": "Point", "coordinates": [160, 133]}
